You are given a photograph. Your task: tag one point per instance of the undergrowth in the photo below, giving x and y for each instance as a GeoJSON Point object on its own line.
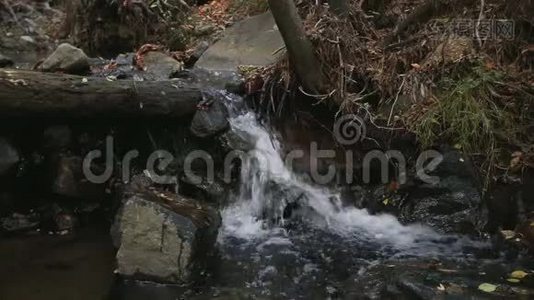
{"type": "Point", "coordinates": [468, 111]}
{"type": "Point", "coordinates": [463, 111]}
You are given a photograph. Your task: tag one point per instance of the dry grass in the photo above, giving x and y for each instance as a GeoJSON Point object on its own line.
{"type": "Point", "coordinates": [482, 101]}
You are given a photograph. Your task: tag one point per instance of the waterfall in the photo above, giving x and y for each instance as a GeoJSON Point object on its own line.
{"type": "Point", "coordinates": [250, 216]}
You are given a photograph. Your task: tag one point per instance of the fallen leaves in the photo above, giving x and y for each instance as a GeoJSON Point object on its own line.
{"type": "Point", "coordinates": [139, 55]}
{"type": "Point", "coordinates": [508, 234]}
{"type": "Point", "coordinates": [487, 287]}
{"type": "Point", "coordinates": [518, 274]}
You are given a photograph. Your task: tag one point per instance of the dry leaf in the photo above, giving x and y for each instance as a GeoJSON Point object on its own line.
{"type": "Point", "coordinates": [518, 274]}
{"type": "Point", "coordinates": [508, 234]}
{"type": "Point", "coordinates": [487, 287]}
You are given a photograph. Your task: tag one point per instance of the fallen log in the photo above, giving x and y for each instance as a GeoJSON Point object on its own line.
{"type": "Point", "coordinates": [24, 93]}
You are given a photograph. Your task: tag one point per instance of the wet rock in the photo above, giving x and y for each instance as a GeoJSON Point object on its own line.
{"type": "Point", "coordinates": [249, 42]}
{"type": "Point", "coordinates": [416, 289]}
{"type": "Point", "coordinates": [66, 58]}
{"type": "Point", "coordinates": [19, 222]}
{"type": "Point", "coordinates": [160, 66]}
{"type": "Point", "coordinates": [238, 140]}
{"type": "Point", "coordinates": [211, 117]}
{"type": "Point", "coordinates": [213, 191]}
{"type": "Point", "coordinates": [231, 81]}
{"type": "Point", "coordinates": [285, 202]}
{"type": "Point", "coordinates": [163, 241]}
{"type": "Point", "coordinates": [69, 181]}
{"type": "Point", "coordinates": [9, 156]}
{"type": "Point", "coordinates": [5, 61]}
{"type": "Point", "coordinates": [453, 205]}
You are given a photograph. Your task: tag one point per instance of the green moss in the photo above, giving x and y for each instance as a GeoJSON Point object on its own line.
{"type": "Point", "coordinates": [465, 113]}
{"type": "Point", "coordinates": [470, 114]}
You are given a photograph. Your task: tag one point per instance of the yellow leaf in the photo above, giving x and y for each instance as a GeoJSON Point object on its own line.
{"type": "Point", "coordinates": [513, 280]}
{"type": "Point", "coordinates": [386, 201]}
{"type": "Point", "coordinates": [416, 66]}
{"type": "Point", "coordinates": [487, 287]}
{"type": "Point", "coordinates": [518, 274]}
{"type": "Point", "coordinates": [508, 234]}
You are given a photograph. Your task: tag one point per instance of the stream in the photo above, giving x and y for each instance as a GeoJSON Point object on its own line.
{"type": "Point", "coordinates": [283, 237]}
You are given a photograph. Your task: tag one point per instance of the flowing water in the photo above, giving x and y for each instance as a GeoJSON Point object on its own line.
{"type": "Point", "coordinates": [284, 237]}
{"type": "Point", "coordinates": [320, 243]}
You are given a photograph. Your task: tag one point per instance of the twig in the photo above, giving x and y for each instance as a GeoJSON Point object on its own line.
{"type": "Point", "coordinates": [396, 99]}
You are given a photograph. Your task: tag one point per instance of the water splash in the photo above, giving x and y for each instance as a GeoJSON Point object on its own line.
{"type": "Point", "coordinates": [250, 217]}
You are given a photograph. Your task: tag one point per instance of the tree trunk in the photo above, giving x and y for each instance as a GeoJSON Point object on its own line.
{"type": "Point", "coordinates": [24, 93]}
{"type": "Point", "coordinates": [300, 49]}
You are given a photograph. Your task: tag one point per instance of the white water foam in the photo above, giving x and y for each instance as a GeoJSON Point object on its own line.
{"type": "Point", "coordinates": [244, 219]}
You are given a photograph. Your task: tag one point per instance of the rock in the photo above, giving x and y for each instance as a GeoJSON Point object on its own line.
{"type": "Point", "coordinates": [27, 40]}
{"type": "Point", "coordinates": [197, 53]}
{"type": "Point", "coordinates": [253, 41]}
{"type": "Point", "coordinates": [5, 61]}
{"type": "Point", "coordinates": [414, 288]}
{"type": "Point", "coordinates": [212, 116]}
{"type": "Point", "coordinates": [213, 191]}
{"type": "Point", "coordinates": [70, 181]}
{"type": "Point", "coordinates": [453, 205]}
{"type": "Point", "coordinates": [160, 66]}
{"type": "Point", "coordinates": [57, 137]}
{"type": "Point", "coordinates": [164, 242]}
{"type": "Point", "coordinates": [231, 81]}
{"type": "Point", "coordinates": [450, 51]}
{"type": "Point", "coordinates": [238, 140]}
{"type": "Point", "coordinates": [19, 222]}
{"type": "Point", "coordinates": [205, 30]}
{"type": "Point", "coordinates": [288, 198]}
{"type": "Point", "coordinates": [9, 156]}
{"type": "Point", "coordinates": [66, 58]}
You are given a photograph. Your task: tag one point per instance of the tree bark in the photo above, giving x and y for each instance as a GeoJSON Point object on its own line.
{"type": "Point", "coordinates": [300, 49]}
{"type": "Point", "coordinates": [24, 93]}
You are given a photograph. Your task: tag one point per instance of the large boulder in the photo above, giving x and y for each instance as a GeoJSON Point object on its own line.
{"type": "Point", "coordinates": [254, 41]}
{"type": "Point", "coordinates": [66, 58]}
{"type": "Point", "coordinates": [164, 238]}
